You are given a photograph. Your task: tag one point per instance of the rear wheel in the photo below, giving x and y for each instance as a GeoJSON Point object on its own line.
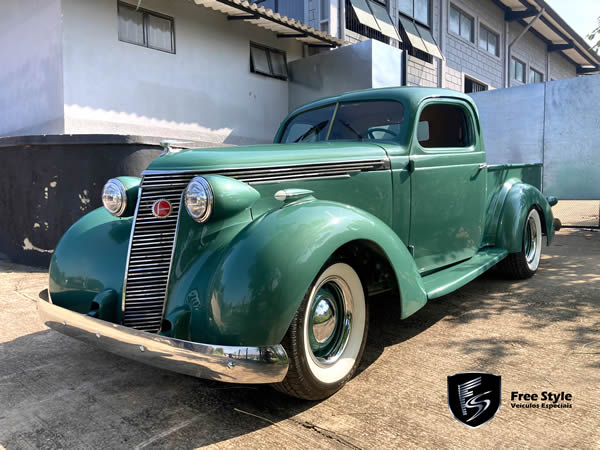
{"type": "Point", "coordinates": [525, 263]}
{"type": "Point", "coordinates": [326, 338]}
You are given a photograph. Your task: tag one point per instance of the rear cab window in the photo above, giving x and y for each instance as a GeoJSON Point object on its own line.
{"type": "Point", "coordinates": [351, 121]}
{"type": "Point", "coordinates": [445, 126]}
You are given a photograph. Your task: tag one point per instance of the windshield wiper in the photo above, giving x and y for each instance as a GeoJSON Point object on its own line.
{"type": "Point", "coordinates": [347, 125]}
{"type": "Point", "coordinates": [317, 128]}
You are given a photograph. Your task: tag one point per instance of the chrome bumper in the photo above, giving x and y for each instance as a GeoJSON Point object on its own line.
{"type": "Point", "coordinates": [250, 365]}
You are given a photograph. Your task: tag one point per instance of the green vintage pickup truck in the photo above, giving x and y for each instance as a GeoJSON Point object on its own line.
{"type": "Point", "coordinates": [256, 264]}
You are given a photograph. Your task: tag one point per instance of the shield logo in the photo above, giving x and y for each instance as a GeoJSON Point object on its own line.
{"type": "Point", "coordinates": [161, 209]}
{"type": "Point", "coordinates": [474, 397]}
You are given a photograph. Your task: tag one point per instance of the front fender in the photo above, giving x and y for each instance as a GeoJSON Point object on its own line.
{"type": "Point", "coordinates": [89, 259]}
{"type": "Point", "coordinates": [519, 200]}
{"type": "Point", "coordinates": [268, 267]}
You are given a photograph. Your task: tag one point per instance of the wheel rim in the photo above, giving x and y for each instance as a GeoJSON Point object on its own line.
{"type": "Point", "coordinates": [330, 321]}
{"type": "Point", "coordinates": [531, 240]}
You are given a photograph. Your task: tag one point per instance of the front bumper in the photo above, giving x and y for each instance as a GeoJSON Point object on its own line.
{"type": "Point", "coordinates": [252, 365]}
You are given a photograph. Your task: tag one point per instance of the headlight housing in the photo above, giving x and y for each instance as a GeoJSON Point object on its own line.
{"type": "Point", "coordinates": [114, 197]}
{"type": "Point", "coordinates": [198, 199]}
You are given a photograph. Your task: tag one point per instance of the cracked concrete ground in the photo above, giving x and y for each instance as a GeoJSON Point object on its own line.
{"type": "Point", "coordinates": [539, 335]}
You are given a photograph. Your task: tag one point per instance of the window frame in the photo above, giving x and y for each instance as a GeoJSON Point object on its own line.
{"type": "Point", "coordinates": [539, 72]}
{"type": "Point", "coordinates": [268, 51]}
{"type": "Point", "coordinates": [514, 73]}
{"type": "Point", "coordinates": [463, 13]}
{"type": "Point", "coordinates": [489, 30]}
{"type": "Point", "coordinates": [469, 116]}
{"type": "Point", "coordinates": [414, 19]}
{"type": "Point", "coordinates": [145, 14]}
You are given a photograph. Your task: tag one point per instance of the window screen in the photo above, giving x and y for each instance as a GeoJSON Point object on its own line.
{"type": "Point", "coordinates": [444, 126]}
{"type": "Point", "coordinates": [310, 126]}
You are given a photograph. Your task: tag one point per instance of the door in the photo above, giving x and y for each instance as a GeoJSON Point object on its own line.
{"type": "Point", "coordinates": [448, 185]}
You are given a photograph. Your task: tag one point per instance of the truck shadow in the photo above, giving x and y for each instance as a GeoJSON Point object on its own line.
{"type": "Point", "coordinates": [57, 390]}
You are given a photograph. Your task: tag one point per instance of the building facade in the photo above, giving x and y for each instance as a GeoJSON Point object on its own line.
{"type": "Point", "coordinates": [485, 44]}
{"type": "Point", "coordinates": [217, 71]}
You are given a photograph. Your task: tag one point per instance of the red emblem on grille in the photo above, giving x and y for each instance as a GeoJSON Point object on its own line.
{"type": "Point", "coordinates": [161, 209]}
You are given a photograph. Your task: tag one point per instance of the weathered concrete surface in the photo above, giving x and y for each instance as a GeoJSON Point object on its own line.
{"type": "Point", "coordinates": [541, 334]}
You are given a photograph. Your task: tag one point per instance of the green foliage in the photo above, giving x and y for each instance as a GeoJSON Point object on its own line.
{"type": "Point", "coordinates": [592, 36]}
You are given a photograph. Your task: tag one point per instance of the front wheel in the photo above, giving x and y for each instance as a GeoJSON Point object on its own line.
{"type": "Point", "coordinates": [524, 264]}
{"type": "Point", "coordinates": [327, 336]}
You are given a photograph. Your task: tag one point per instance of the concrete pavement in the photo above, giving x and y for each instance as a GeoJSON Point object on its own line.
{"type": "Point", "coordinates": [539, 335]}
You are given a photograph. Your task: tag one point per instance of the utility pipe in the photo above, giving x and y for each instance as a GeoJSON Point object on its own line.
{"type": "Point", "coordinates": [517, 39]}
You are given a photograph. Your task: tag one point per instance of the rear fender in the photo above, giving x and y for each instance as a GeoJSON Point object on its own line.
{"type": "Point", "coordinates": [267, 269]}
{"type": "Point", "coordinates": [519, 198]}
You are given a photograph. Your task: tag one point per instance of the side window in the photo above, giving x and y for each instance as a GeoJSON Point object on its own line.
{"type": "Point", "coordinates": [444, 126]}
{"type": "Point", "coordinates": [311, 126]}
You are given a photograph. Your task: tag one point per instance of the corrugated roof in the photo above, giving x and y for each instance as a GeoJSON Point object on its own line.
{"type": "Point", "coordinates": [272, 21]}
{"type": "Point", "coordinates": [555, 31]}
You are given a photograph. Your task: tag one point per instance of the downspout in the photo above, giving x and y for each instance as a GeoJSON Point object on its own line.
{"type": "Point", "coordinates": [342, 19]}
{"type": "Point", "coordinates": [517, 39]}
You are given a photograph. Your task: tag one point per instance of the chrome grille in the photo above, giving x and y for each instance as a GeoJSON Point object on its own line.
{"type": "Point", "coordinates": [153, 240]}
{"type": "Point", "coordinates": [150, 254]}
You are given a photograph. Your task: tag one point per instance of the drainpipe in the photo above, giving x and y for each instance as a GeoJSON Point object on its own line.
{"type": "Point", "coordinates": [342, 19]}
{"type": "Point", "coordinates": [517, 39]}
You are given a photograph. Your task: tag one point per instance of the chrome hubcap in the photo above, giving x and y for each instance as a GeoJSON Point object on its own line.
{"type": "Point", "coordinates": [323, 320]}
{"type": "Point", "coordinates": [531, 237]}
{"type": "Point", "coordinates": [330, 320]}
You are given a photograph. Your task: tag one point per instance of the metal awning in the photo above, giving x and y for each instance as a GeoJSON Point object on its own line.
{"type": "Point", "coordinates": [375, 16]}
{"type": "Point", "coordinates": [420, 37]}
{"type": "Point", "coordinates": [272, 21]}
{"type": "Point", "coordinates": [553, 30]}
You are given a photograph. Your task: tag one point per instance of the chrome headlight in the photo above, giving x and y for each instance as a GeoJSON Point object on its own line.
{"type": "Point", "coordinates": [199, 199]}
{"type": "Point", "coordinates": [114, 197]}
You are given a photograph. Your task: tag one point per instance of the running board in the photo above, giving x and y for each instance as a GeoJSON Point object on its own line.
{"type": "Point", "coordinates": [448, 280]}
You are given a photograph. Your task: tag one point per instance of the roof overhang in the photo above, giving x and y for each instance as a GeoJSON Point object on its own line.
{"type": "Point", "coordinates": [272, 21]}
{"type": "Point", "coordinates": [554, 31]}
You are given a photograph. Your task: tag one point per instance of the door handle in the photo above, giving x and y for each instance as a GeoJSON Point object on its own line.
{"type": "Point", "coordinates": [483, 166]}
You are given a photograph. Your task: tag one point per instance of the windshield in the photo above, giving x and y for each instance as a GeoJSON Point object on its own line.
{"type": "Point", "coordinates": [360, 121]}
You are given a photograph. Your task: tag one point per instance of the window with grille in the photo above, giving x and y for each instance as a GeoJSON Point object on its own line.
{"type": "Point", "coordinates": [474, 86]}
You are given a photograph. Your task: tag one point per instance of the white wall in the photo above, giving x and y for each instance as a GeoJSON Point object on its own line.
{"type": "Point", "coordinates": [31, 94]}
{"type": "Point", "coordinates": [205, 92]}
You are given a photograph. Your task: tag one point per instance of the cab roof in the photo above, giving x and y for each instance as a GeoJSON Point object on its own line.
{"type": "Point", "coordinates": [409, 95]}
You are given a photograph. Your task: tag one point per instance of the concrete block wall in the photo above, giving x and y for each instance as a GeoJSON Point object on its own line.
{"type": "Point", "coordinates": [560, 67]}
{"type": "Point", "coordinates": [464, 58]}
{"type": "Point", "coordinates": [530, 50]}
{"type": "Point", "coordinates": [419, 72]}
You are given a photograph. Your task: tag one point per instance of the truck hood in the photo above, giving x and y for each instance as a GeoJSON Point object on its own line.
{"type": "Point", "coordinates": [267, 155]}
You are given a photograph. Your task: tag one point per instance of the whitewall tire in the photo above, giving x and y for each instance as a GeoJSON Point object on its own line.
{"type": "Point", "coordinates": [327, 336]}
